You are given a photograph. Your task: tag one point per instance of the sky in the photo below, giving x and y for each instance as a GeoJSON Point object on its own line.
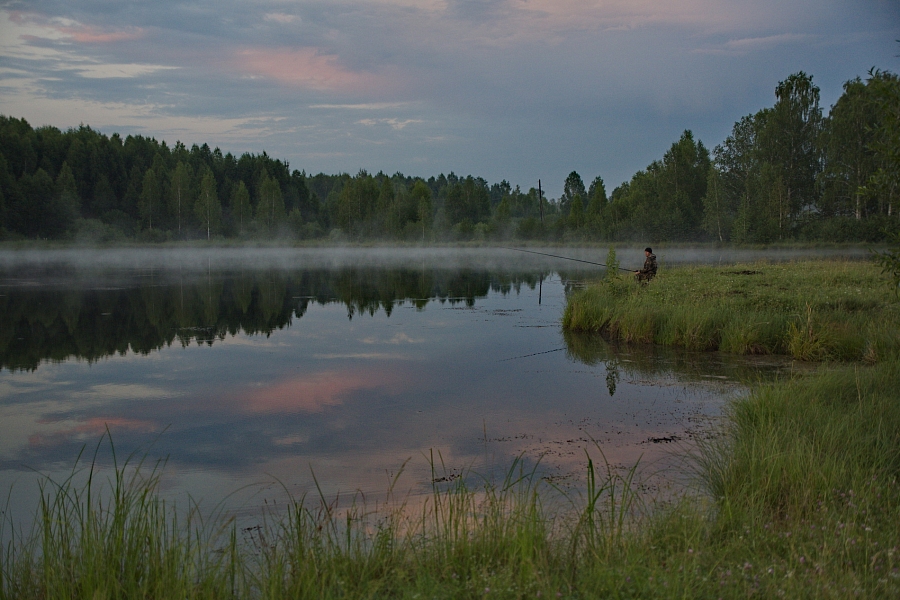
{"type": "Point", "coordinates": [520, 90]}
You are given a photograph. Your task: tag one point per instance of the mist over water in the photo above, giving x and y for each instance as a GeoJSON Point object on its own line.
{"type": "Point", "coordinates": [202, 258]}
{"type": "Point", "coordinates": [246, 366]}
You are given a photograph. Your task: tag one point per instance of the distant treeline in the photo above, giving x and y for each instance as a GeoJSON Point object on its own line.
{"type": "Point", "coordinates": [785, 173]}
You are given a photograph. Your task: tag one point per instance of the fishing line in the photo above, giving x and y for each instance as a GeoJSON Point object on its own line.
{"type": "Point", "coordinates": [566, 258]}
{"type": "Point", "coordinates": [528, 355]}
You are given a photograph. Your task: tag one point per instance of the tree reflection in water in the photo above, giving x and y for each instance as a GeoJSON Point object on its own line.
{"type": "Point", "coordinates": [52, 316]}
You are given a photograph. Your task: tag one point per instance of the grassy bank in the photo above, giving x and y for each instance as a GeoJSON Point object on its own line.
{"type": "Point", "coordinates": [812, 310]}
{"type": "Point", "coordinates": [801, 494]}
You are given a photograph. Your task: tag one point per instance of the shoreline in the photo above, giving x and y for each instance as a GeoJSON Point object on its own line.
{"type": "Point", "coordinates": [804, 498]}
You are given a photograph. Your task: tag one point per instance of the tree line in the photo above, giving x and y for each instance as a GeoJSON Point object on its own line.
{"type": "Point", "coordinates": [787, 172]}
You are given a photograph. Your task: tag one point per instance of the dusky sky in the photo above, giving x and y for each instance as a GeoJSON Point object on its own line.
{"type": "Point", "coordinates": [503, 89]}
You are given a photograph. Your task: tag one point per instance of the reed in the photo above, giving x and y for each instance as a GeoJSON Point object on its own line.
{"type": "Point", "coordinates": [773, 526]}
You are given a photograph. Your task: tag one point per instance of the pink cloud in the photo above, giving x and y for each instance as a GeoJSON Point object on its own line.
{"type": "Point", "coordinates": [302, 67]}
{"type": "Point", "coordinates": [314, 393]}
{"type": "Point", "coordinates": [84, 34]}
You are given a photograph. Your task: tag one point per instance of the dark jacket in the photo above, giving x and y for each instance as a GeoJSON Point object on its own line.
{"type": "Point", "coordinates": [649, 270]}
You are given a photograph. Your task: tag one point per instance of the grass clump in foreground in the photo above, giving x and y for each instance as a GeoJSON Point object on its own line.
{"type": "Point", "coordinates": [812, 310]}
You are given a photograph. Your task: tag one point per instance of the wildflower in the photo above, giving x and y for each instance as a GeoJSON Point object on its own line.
{"type": "Point", "coordinates": [802, 560]}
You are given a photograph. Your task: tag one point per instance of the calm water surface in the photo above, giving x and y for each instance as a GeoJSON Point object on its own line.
{"type": "Point", "coordinates": [250, 368]}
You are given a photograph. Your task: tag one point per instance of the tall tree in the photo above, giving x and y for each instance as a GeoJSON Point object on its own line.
{"type": "Point", "coordinates": [717, 215]}
{"type": "Point", "coordinates": [180, 194]}
{"type": "Point", "coordinates": [789, 142]}
{"type": "Point", "coordinates": [737, 162]}
{"type": "Point", "coordinates": [685, 168]}
{"type": "Point", "coordinates": [207, 207]}
{"type": "Point", "coordinates": [38, 214]}
{"type": "Point", "coordinates": [270, 206]}
{"type": "Point", "coordinates": [596, 204]}
{"type": "Point", "coordinates": [467, 200]}
{"type": "Point", "coordinates": [576, 213]}
{"type": "Point", "coordinates": [573, 186]}
{"type": "Point", "coordinates": [67, 201]}
{"type": "Point", "coordinates": [150, 198]}
{"type": "Point", "coordinates": [885, 181]}
{"type": "Point", "coordinates": [240, 206]}
{"type": "Point", "coordinates": [421, 195]}
{"type": "Point", "coordinates": [389, 212]}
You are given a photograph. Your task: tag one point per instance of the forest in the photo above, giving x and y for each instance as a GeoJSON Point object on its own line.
{"type": "Point", "coordinates": [789, 172]}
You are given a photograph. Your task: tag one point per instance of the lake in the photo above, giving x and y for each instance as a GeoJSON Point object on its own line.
{"type": "Point", "coordinates": [258, 373]}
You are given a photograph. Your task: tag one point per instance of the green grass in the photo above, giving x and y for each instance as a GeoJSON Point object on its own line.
{"type": "Point", "coordinates": [812, 310]}
{"type": "Point", "coordinates": [799, 494]}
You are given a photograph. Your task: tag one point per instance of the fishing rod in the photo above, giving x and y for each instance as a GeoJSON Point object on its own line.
{"type": "Point", "coordinates": [566, 258]}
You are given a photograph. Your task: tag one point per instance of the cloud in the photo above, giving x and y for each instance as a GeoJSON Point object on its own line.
{"type": "Point", "coordinates": [394, 123]}
{"type": "Point", "coordinates": [59, 28]}
{"type": "Point", "coordinates": [770, 41]}
{"type": "Point", "coordinates": [748, 45]}
{"type": "Point", "coordinates": [402, 338]}
{"type": "Point", "coordinates": [284, 19]}
{"type": "Point", "coordinates": [364, 106]}
{"type": "Point", "coordinates": [107, 71]}
{"type": "Point", "coordinates": [90, 429]}
{"type": "Point", "coordinates": [117, 391]}
{"type": "Point", "coordinates": [91, 35]}
{"type": "Point", "coordinates": [506, 89]}
{"type": "Point", "coordinates": [302, 67]}
{"type": "Point", "coordinates": [315, 392]}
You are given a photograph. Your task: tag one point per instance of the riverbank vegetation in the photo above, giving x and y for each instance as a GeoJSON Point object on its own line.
{"type": "Point", "coordinates": [789, 172]}
{"type": "Point", "coordinates": [812, 310]}
{"type": "Point", "coordinates": [799, 494]}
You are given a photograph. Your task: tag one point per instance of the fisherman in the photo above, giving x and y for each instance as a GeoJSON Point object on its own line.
{"type": "Point", "coordinates": [649, 270]}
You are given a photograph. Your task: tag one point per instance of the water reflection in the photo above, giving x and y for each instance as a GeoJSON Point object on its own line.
{"type": "Point", "coordinates": [242, 375]}
{"type": "Point", "coordinates": [642, 361]}
{"type": "Point", "coordinates": [49, 316]}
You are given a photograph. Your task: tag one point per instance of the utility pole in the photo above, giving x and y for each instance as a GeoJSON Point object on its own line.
{"type": "Point", "coordinates": [541, 201]}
